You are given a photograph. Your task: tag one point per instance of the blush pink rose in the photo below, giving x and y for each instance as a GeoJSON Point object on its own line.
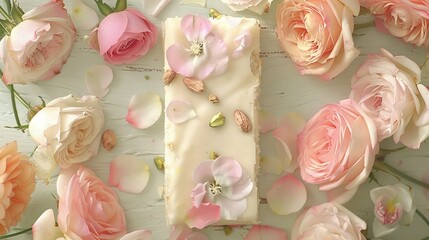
{"type": "Point", "coordinates": [317, 34]}
{"type": "Point", "coordinates": [337, 149]}
{"type": "Point", "coordinates": [17, 184]}
{"type": "Point", "coordinates": [388, 89]}
{"type": "Point", "coordinates": [328, 221]}
{"type": "Point", "coordinates": [406, 19]}
{"type": "Point", "coordinates": [125, 36]}
{"type": "Point", "coordinates": [88, 209]}
{"type": "Point", "coordinates": [38, 47]}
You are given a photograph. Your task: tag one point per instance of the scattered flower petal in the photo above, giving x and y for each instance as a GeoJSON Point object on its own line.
{"type": "Point", "coordinates": [144, 110]}
{"type": "Point", "coordinates": [270, 161]}
{"type": "Point", "coordinates": [261, 232]}
{"type": "Point", "coordinates": [44, 227]}
{"type": "Point", "coordinates": [129, 173]}
{"type": "Point", "coordinates": [267, 121]}
{"type": "Point", "coordinates": [199, 2]}
{"type": "Point", "coordinates": [44, 160]}
{"type": "Point", "coordinates": [97, 80]}
{"type": "Point", "coordinates": [155, 7]}
{"type": "Point", "coordinates": [179, 111]}
{"type": "Point", "coordinates": [83, 17]}
{"type": "Point", "coordinates": [203, 216]}
{"type": "Point", "coordinates": [142, 234]}
{"type": "Point", "coordinates": [287, 195]}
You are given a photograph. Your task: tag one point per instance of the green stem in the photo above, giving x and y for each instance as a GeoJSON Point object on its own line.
{"type": "Point", "coordinates": [21, 100]}
{"type": "Point", "coordinates": [8, 5]}
{"type": "Point", "coordinates": [5, 14]}
{"type": "Point", "coordinates": [15, 234]}
{"type": "Point", "coordinates": [15, 110]}
{"type": "Point", "coordinates": [424, 63]}
{"type": "Point", "coordinates": [380, 165]}
{"type": "Point", "coordinates": [423, 217]}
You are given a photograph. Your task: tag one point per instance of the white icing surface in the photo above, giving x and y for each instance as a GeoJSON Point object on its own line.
{"type": "Point", "coordinates": [189, 143]}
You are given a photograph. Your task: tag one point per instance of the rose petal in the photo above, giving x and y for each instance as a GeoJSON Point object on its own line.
{"type": "Point", "coordinates": [203, 216]}
{"type": "Point", "coordinates": [267, 121]}
{"type": "Point", "coordinates": [44, 227]}
{"type": "Point", "coordinates": [271, 161]}
{"type": "Point", "coordinates": [287, 195]}
{"type": "Point", "coordinates": [129, 173]}
{"type": "Point", "coordinates": [142, 234]}
{"type": "Point", "coordinates": [199, 2]}
{"type": "Point", "coordinates": [155, 7]}
{"type": "Point", "coordinates": [179, 111]}
{"type": "Point", "coordinates": [261, 232]}
{"type": "Point", "coordinates": [144, 110]}
{"type": "Point", "coordinates": [83, 17]}
{"type": "Point", "coordinates": [97, 80]}
{"type": "Point", "coordinates": [44, 160]}
{"type": "Point", "coordinates": [226, 171]}
{"type": "Point", "coordinates": [64, 178]}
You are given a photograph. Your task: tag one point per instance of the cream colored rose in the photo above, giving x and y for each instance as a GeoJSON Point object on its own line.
{"type": "Point", "coordinates": [257, 6]}
{"type": "Point", "coordinates": [71, 127]}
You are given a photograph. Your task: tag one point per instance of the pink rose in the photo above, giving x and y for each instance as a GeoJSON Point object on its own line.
{"type": "Point", "coordinates": [125, 36]}
{"type": "Point", "coordinates": [17, 184]}
{"type": "Point", "coordinates": [337, 149]}
{"type": "Point", "coordinates": [38, 47]}
{"type": "Point", "coordinates": [317, 34]}
{"type": "Point", "coordinates": [88, 209]}
{"type": "Point", "coordinates": [328, 221]}
{"type": "Point", "coordinates": [388, 89]}
{"type": "Point", "coordinates": [406, 19]}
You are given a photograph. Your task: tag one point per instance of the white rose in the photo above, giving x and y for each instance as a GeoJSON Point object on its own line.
{"type": "Point", "coordinates": [257, 6]}
{"type": "Point", "coordinates": [71, 127]}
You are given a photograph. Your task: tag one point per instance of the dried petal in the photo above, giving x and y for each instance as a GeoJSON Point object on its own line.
{"type": "Point", "coordinates": [144, 110]}
{"type": "Point", "coordinates": [179, 111]}
{"type": "Point", "coordinates": [97, 80]}
{"type": "Point", "coordinates": [129, 173]}
{"type": "Point", "coordinates": [287, 195]}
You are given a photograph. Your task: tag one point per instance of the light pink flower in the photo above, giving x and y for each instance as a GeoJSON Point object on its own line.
{"type": "Point", "coordinates": [328, 221]}
{"type": "Point", "coordinates": [38, 47]}
{"type": "Point", "coordinates": [337, 149]}
{"type": "Point", "coordinates": [205, 53]}
{"type": "Point", "coordinates": [406, 19]}
{"type": "Point", "coordinates": [220, 183]}
{"type": "Point", "coordinates": [17, 184]}
{"type": "Point", "coordinates": [317, 34]}
{"type": "Point", "coordinates": [388, 89]}
{"type": "Point", "coordinates": [88, 209]}
{"type": "Point", "coordinates": [394, 205]}
{"type": "Point", "coordinates": [125, 36]}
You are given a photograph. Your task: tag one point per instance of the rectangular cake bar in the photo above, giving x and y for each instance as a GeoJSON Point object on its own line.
{"type": "Point", "coordinates": [233, 93]}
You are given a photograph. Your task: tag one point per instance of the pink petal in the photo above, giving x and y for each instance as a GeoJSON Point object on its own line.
{"type": "Point", "coordinates": [144, 110]}
{"type": "Point", "coordinates": [203, 172]}
{"type": "Point", "coordinates": [108, 38]}
{"type": "Point", "coordinates": [129, 173]}
{"type": "Point", "coordinates": [44, 228]}
{"type": "Point", "coordinates": [97, 80]}
{"type": "Point", "coordinates": [180, 60]}
{"type": "Point", "coordinates": [217, 60]}
{"type": "Point", "coordinates": [267, 121]}
{"type": "Point", "coordinates": [287, 195]}
{"type": "Point", "coordinates": [142, 234]}
{"type": "Point", "coordinates": [179, 111]}
{"type": "Point", "coordinates": [241, 42]}
{"type": "Point", "coordinates": [231, 209]}
{"type": "Point", "coordinates": [240, 189]}
{"type": "Point", "coordinates": [261, 232]}
{"type": "Point", "coordinates": [64, 178]}
{"type": "Point", "coordinates": [155, 7]}
{"type": "Point", "coordinates": [226, 171]}
{"type": "Point", "coordinates": [195, 27]}
{"type": "Point", "coordinates": [203, 216]}
{"type": "Point", "coordinates": [198, 194]}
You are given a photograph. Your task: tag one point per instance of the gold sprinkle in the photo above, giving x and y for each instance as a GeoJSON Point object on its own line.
{"type": "Point", "coordinates": [159, 163]}
{"type": "Point", "coordinates": [147, 77]}
{"type": "Point", "coordinates": [213, 155]}
{"type": "Point", "coordinates": [217, 120]}
{"type": "Point", "coordinates": [213, 13]}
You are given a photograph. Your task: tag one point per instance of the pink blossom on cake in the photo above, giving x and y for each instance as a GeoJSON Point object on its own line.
{"type": "Point", "coordinates": [406, 19]}
{"type": "Point", "coordinates": [125, 36]}
{"type": "Point", "coordinates": [17, 176]}
{"type": "Point", "coordinates": [222, 188]}
{"type": "Point", "coordinates": [337, 149]}
{"type": "Point", "coordinates": [38, 46]}
{"type": "Point", "coordinates": [328, 221]}
{"type": "Point", "coordinates": [317, 34]}
{"type": "Point", "coordinates": [388, 89]}
{"type": "Point", "coordinates": [393, 205]}
{"type": "Point", "coordinates": [205, 54]}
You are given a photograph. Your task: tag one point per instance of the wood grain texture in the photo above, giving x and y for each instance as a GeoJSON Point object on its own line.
{"type": "Point", "coordinates": [283, 90]}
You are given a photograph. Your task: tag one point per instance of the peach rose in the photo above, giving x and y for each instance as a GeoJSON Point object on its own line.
{"type": "Point", "coordinates": [38, 47]}
{"type": "Point", "coordinates": [388, 89]}
{"type": "Point", "coordinates": [317, 34]}
{"type": "Point", "coordinates": [125, 36]}
{"type": "Point", "coordinates": [337, 149]}
{"type": "Point", "coordinates": [406, 19]}
{"type": "Point", "coordinates": [17, 184]}
{"type": "Point", "coordinates": [328, 221]}
{"type": "Point", "coordinates": [88, 209]}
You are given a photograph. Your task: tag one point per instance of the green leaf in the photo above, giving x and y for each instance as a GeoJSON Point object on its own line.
{"type": "Point", "coordinates": [121, 5]}
{"type": "Point", "coordinates": [104, 8]}
{"type": "Point", "coordinates": [7, 4]}
{"type": "Point", "coordinates": [16, 13]}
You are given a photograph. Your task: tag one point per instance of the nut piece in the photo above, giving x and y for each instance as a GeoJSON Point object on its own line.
{"type": "Point", "coordinates": [194, 84]}
{"type": "Point", "coordinates": [108, 140]}
{"type": "Point", "coordinates": [159, 163]}
{"type": "Point", "coordinates": [213, 155]}
{"type": "Point", "coordinates": [217, 120]}
{"type": "Point", "coordinates": [213, 98]}
{"type": "Point", "coordinates": [242, 121]}
{"type": "Point", "coordinates": [168, 76]}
